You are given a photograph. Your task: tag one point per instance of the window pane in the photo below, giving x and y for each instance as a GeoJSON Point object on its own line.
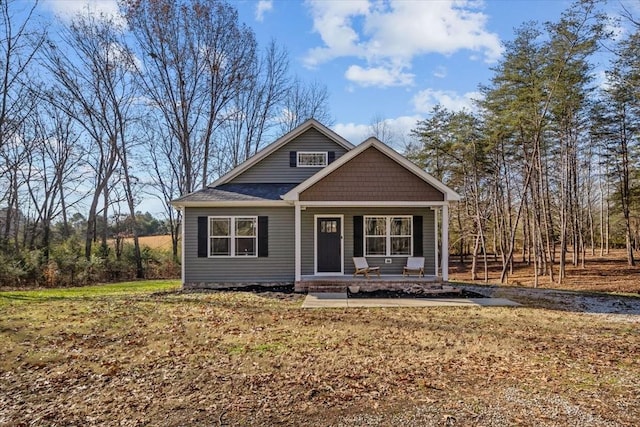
{"type": "Point", "coordinates": [376, 246]}
{"type": "Point", "coordinates": [245, 227]}
{"type": "Point", "coordinates": [376, 227]}
{"type": "Point", "coordinates": [220, 226]}
{"type": "Point", "coordinates": [312, 159]}
{"type": "Point", "coordinates": [401, 226]}
{"type": "Point", "coordinates": [246, 246]}
{"type": "Point", "coordinates": [401, 246]}
{"type": "Point", "coordinates": [328, 226]}
{"type": "Point", "coordinates": [220, 246]}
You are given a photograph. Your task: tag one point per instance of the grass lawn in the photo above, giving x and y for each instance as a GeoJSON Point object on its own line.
{"type": "Point", "coordinates": [139, 354]}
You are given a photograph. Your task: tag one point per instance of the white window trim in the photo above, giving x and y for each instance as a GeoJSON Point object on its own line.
{"type": "Point", "coordinates": [387, 235]}
{"type": "Point", "coordinates": [324, 154]}
{"type": "Point", "coordinates": [232, 236]}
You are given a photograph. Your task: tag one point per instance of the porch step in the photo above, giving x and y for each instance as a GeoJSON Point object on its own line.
{"type": "Point", "coordinates": [326, 287]}
{"type": "Point", "coordinates": [340, 283]}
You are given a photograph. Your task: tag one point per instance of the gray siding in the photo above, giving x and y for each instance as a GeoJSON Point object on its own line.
{"type": "Point", "coordinates": [308, 250]}
{"type": "Point", "coordinates": [275, 167]}
{"type": "Point", "coordinates": [277, 267]}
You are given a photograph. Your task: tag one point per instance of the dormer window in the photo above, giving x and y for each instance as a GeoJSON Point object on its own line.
{"type": "Point", "coordinates": [312, 159]}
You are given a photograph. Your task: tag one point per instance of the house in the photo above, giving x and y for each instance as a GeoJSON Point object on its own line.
{"type": "Point", "coordinates": [305, 205]}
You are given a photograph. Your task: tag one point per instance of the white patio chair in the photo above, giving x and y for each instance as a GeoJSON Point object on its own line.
{"type": "Point", "coordinates": [362, 267]}
{"type": "Point", "coordinates": [415, 264]}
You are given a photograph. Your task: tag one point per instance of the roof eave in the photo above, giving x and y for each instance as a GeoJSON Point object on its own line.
{"type": "Point", "coordinates": [229, 203]}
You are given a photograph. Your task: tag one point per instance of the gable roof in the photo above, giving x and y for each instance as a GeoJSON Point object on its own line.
{"type": "Point", "coordinates": [449, 194]}
{"type": "Point", "coordinates": [280, 142]}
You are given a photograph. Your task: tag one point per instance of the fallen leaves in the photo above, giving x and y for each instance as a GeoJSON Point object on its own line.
{"type": "Point", "coordinates": [241, 359]}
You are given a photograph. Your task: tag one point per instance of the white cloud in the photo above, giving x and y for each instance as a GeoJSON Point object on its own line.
{"type": "Point", "coordinates": [352, 132]}
{"type": "Point", "coordinates": [426, 99]}
{"type": "Point", "coordinates": [332, 20]}
{"type": "Point", "coordinates": [440, 72]}
{"type": "Point", "coordinates": [262, 7]}
{"type": "Point", "coordinates": [68, 9]}
{"type": "Point", "coordinates": [399, 128]}
{"type": "Point", "coordinates": [378, 76]}
{"type": "Point", "coordinates": [390, 34]}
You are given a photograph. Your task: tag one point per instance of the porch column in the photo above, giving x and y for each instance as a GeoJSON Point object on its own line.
{"type": "Point", "coordinates": [435, 238]}
{"type": "Point", "coordinates": [445, 242]}
{"type": "Point", "coordinates": [298, 245]}
{"type": "Point", "coordinates": [183, 211]}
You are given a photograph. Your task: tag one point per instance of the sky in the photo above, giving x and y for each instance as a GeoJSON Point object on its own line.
{"type": "Point", "coordinates": [385, 59]}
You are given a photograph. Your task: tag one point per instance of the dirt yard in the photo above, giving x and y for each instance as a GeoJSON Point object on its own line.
{"type": "Point", "coordinates": [244, 359]}
{"type": "Point", "coordinates": [601, 274]}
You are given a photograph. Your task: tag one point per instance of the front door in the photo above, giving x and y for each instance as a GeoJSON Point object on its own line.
{"type": "Point", "coordinates": [329, 245]}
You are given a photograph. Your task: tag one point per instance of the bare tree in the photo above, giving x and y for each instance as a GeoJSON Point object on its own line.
{"type": "Point", "coordinates": [303, 102]}
{"type": "Point", "coordinates": [164, 177]}
{"type": "Point", "coordinates": [92, 69]}
{"type": "Point", "coordinates": [52, 163]}
{"type": "Point", "coordinates": [254, 110]}
{"type": "Point", "coordinates": [19, 43]}
{"type": "Point", "coordinates": [195, 59]}
{"type": "Point", "coordinates": [379, 127]}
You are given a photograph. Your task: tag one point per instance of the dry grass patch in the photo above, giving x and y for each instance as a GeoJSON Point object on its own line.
{"type": "Point", "coordinates": [247, 359]}
{"type": "Point", "coordinates": [609, 273]}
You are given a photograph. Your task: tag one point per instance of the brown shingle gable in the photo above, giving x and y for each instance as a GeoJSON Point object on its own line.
{"type": "Point", "coordinates": [371, 176]}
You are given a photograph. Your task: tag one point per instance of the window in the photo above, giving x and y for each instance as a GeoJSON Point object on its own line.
{"type": "Point", "coordinates": [307, 159]}
{"type": "Point", "coordinates": [232, 236]}
{"type": "Point", "coordinates": [328, 226]}
{"type": "Point", "coordinates": [388, 235]}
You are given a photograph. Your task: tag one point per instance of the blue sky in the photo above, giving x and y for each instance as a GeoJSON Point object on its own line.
{"type": "Point", "coordinates": [394, 59]}
{"type": "Point", "coordinates": [389, 59]}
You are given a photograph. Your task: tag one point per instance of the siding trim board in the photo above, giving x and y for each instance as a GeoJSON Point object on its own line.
{"type": "Point", "coordinates": [369, 203]}
{"type": "Point", "coordinates": [231, 204]}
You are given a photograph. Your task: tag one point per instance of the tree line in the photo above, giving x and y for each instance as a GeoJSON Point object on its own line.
{"type": "Point", "coordinates": [548, 164]}
{"type": "Point", "coordinates": [160, 100]}
{"type": "Point", "coordinates": [107, 110]}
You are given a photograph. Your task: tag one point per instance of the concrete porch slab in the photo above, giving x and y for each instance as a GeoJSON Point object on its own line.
{"type": "Point", "coordinates": [325, 300]}
{"type": "Point", "coordinates": [340, 300]}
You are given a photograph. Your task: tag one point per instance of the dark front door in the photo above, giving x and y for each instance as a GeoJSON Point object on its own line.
{"type": "Point", "coordinates": [328, 249]}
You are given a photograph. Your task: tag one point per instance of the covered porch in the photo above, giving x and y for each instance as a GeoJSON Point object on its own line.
{"type": "Point", "coordinates": [313, 244]}
{"type": "Point", "coordinates": [371, 203]}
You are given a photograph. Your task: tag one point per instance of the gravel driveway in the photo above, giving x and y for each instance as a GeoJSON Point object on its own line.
{"type": "Point", "coordinates": [584, 302]}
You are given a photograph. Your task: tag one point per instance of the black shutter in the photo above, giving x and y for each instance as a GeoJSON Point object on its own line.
{"type": "Point", "coordinates": [263, 236]}
{"type": "Point", "coordinates": [331, 156]}
{"type": "Point", "coordinates": [203, 236]}
{"type": "Point", "coordinates": [358, 230]}
{"type": "Point", "coordinates": [418, 249]}
{"type": "Point", "coordinates": [293, 159]}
